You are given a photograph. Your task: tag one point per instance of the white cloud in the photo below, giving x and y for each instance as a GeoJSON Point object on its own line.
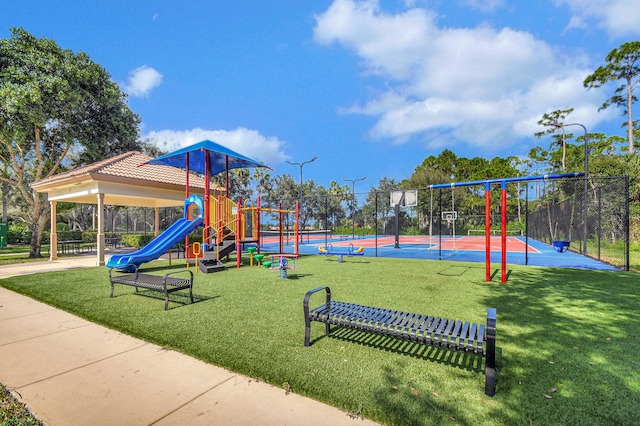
{"type": "Point", "coordinates": [618, 17]}
{"type": "Point", "coordinates": [484, 5]}
{"type": "Point", "coordinates": [266, 149]}
{"type": "Point", "coordinates": [142, 80]}
{"type": "Point", "coordinates": [482, 86]}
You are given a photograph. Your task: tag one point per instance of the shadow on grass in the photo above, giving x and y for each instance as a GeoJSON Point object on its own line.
{"type": "Point", "coordinates": [294, 277]}
{"type": "Point", "coordinates": [451, 357]}
{"type": "Point", "coordinates": [568, 337]}
{"type": "Point", "coordinates": [177, 297]}
{"type": "Point", "coordinates": [454, 271]}
{"type": "Point", "coordinates": [409, 403]}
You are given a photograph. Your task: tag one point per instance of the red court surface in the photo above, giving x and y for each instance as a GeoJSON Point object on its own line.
{"type": "Point", "coordinates": [474, 242]}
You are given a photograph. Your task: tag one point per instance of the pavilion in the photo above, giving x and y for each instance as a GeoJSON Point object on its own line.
{"type": "Point", "coordinates": [120, 181]}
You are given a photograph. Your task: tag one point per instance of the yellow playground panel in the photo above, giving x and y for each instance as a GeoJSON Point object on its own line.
{"type": "Point", "coordinates": [229, 220]}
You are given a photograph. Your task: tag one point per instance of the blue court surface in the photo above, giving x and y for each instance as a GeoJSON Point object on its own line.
{"type": "Point", "coordinates": [462, 248]}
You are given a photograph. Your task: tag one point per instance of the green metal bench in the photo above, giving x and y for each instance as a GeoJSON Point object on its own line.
{"type": "Point", "coordinates": [165, 284]}
{"type": "Point", "coordinates": [477, 339]}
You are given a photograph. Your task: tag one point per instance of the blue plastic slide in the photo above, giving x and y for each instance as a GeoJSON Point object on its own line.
{"type": "Point", "coordinates": [157, 247]}
{"type": "Point", "coordinates": [193, 218]}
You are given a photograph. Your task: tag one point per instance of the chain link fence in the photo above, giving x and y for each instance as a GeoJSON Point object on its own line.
{"type": "Point", "coordinates": [549, 223]}
{"type": "Point", "coordinates": [593, 219]}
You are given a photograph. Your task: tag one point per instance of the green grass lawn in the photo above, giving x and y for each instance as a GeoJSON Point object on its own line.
{"type": "Point", "coordinates": [568, 340]}
{"type": "Point", "coordinates": [19, 253]}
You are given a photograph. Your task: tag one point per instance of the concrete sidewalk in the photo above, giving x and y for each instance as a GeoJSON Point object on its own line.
{"type": "Point", "coordinates": [69, 371]}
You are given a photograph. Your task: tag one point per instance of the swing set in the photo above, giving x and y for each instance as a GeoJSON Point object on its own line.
{"type": "Point", "coordinates": [503, 185]}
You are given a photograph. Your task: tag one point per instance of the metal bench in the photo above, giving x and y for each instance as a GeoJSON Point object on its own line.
{"type": "Point", "coordinates": [164, 284]}
{"type": "Point", "coordinates": [457, 335]}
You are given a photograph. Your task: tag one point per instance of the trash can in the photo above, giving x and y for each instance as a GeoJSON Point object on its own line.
{"type": "Point", "coordinates": [3, 235]}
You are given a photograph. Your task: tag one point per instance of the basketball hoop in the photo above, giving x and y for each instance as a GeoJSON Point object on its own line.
{"type": "Point", "coordinates": [450, 216]}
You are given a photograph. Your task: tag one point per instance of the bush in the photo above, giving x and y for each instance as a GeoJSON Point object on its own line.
{"type": "Point", "coordinates": [136, 240]}
{"type": "Point", "coordinates": [69, 235]}
{"type": "Point", "coordinates": [89, 236]}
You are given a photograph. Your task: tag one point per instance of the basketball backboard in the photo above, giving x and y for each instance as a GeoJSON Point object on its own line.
{"type": "Point", "coordinates": [410, 198]}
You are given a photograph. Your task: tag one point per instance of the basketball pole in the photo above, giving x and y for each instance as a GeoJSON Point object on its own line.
{"type": "Point", "coordinates": [397, 221]}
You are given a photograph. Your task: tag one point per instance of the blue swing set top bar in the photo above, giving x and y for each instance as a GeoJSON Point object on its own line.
{"type": "Point", "coordinates": [506, 180]}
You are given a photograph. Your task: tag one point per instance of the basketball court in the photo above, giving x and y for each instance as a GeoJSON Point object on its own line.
{"type": "Point", "coordinates": [472, 247]}
{"type": "Point", "coordinates": [467, 248]}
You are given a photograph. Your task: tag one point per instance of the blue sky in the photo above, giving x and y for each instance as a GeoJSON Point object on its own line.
{"type": "Point", "coordinates": [371, 87]}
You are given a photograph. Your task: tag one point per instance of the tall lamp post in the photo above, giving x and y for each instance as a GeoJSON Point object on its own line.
{"type": "Point", "coordinates": [586, 181]}
{"type": "Point", "coordinates": [353, 196]}
{"type": "Point", "coordinates": [300, 191]}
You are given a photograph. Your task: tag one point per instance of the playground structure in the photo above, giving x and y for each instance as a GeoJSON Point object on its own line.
{"type": "Point", "coordinates": [227, 229]}
{"type": "Point", "coordinates": [328, 251]}
{"type": "Point", "coordinates": [232, 226]}
{"type": "Point", "coordinates": [227, 226]}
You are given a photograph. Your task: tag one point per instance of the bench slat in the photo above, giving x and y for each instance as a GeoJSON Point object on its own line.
{"type": "Point", "coordinates": [413, 327]}
{"type": "Point", "coordinates": [463, 336]}
{"type": "Point", "coordinates": [424, 323]}
{"type": "Point", "coordinates": [420, 335]}
{"type": "Point", "coordinates": [406, 330]}
{"type": "Point", "coordinates": [472, 337]}
{"type": "Point", "coordinates": [337, 310]}
{"type": "Point", "coordinates": [399, 322]}
{"type": "Point", "coordinates": [386, 315]}
{"type": "Point", "coordinates": [368, 323]}
{"type": "Point", "coordinates": [454, 335]}
{"type": "Point", "coordinates": [434, 325]}
{"type": "Point", "coordinates": [447, 333]}
{"type": "Point", "coordinates": [439, 331]}
{"type": "Point", "coordinates": [369, 315]}
{"type": "Point", "coordinates": [480, 340]}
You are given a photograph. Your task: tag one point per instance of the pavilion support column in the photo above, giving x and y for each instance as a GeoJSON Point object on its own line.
{"type": "Point", "coordinates": [100, 241]}
{"type": "Point", "coordinates": [53, 239]}
{"type": "Point", "coordinates": [156, 221]}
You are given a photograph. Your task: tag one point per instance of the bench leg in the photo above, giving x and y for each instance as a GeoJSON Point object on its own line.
{"type": "Point", "coordinates": [305, 308]}
{"type": "Point", "coordinates": [112, 285]}
{"type": "Point", "coordinates": [490, 363]}
{"type": "Point", "coordinates": [307, 331]}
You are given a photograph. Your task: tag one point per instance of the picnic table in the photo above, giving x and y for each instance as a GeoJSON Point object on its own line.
{"type": "Point", "coordinates": [69, 246]}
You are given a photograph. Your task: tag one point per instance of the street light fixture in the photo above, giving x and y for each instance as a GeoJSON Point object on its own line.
{"type": "Point", "coordinates": [300, 191]}
{"type": "Point", "coordinates": [586, 180]}
{"type": "Point", "coordinates": [353, 198]}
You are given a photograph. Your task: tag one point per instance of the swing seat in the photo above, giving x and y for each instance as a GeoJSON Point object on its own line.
{"type": "Point", "coordinates": [561, 246]}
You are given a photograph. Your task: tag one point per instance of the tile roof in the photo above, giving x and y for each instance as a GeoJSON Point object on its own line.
{"type": "Point", "coordinates": [127, 166]}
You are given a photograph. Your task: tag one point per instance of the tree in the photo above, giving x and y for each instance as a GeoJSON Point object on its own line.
{"type": "Point", "coordinates": [377, 203]}
{"type": "Point", "coordinates": [553, 121]}
{"type": "Point", "coordinates": [238, 184]}
{"type": "Point", "coordinates": [55, 102]}
{"type": "Point", "coordinates": [623, 63]}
